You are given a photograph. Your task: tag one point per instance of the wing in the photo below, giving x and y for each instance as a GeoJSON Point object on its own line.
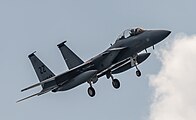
{"type": "Point", "coordinates": [109, 69]}
{"type": "Point", "coordinates": [107, 57]}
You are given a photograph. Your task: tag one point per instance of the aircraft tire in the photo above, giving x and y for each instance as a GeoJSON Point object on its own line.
{"type": "Point", "coordinates": [138, 73]}
{"type": "Point", "coordinates": [91, 91]}
{"type": "Point", "coordinates": [116, 83]}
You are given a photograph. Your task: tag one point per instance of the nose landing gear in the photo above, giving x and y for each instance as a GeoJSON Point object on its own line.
{"type": "Point", "coordinates": [138, 72]}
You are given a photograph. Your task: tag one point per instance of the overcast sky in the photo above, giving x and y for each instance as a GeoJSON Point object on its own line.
{"type": "Point", "coordinates": [89, 27]}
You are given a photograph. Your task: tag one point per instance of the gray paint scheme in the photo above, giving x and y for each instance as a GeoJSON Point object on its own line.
{"type": "Point", "coordinates": [122, 53]}
{"type": "Point", "coordinates": [71, 59]}
{"type": "Point", "coordinates": [42, 71]}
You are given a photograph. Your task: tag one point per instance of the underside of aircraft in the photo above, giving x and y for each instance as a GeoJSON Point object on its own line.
{"type": "Point", "coordinates": [124, 54]}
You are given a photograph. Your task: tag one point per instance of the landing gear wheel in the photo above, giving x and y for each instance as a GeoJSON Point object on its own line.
{"type": "Point", "coordinates": [91, 91]}
{"type": "Point", "coordinates": [138, 73]}
{"type": "Point", "coordinates": [116, 83]}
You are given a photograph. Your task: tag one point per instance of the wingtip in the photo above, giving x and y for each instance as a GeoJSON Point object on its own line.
{"type": "Point", "coordinates": [18, 101]}
{"type": "Point", "coordinates": [61, 44]}
{"type": "Point", "coordinates": [22, 90]}
{"type": "Point", "coordinates": [32, 54]}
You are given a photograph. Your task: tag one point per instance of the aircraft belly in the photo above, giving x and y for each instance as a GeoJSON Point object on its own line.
{"type": "Point", "coordinates": [81, 78]}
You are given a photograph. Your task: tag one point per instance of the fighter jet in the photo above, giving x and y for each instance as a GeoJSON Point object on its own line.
{"type": "Point", "coordinates": [124, 54]}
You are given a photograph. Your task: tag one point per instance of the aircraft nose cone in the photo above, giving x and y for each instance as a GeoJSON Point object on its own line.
{"type": "Point", "coordinates": [159, 35]}
{"type": "Point", "coordinates": [164, 33]}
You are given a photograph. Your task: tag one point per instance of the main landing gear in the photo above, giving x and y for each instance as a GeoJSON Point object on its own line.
{"type": "Point", "coordinates": [91, 90]}
{"type": "Point", "coordinates": [115, 82]}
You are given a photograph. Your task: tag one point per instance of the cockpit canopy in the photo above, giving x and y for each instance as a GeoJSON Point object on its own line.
{"type": "Point", "coordinates": [130, 32]}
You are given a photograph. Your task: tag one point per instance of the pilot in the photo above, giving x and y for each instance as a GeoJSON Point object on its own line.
{"type": "Point", "coordinates": [132, 32]}
{"type": "Point", "coordinates": [122, 37]}
{"type": "Point", "coordinates": [136, 31]}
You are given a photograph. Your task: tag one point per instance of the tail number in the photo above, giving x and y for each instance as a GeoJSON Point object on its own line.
{"type": "Point", "coordinates": [42, 69]}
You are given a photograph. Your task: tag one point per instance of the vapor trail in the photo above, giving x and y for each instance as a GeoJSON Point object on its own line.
{"type": "Point", "coordinates": [175, 85]}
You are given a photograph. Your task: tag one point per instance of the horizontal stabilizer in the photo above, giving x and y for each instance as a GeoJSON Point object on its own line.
{"type": "Point", "coordinates": [27, 97]}
{"type": "Point", "coordinates": [38, 94]}
{"type": "Point", "coordinates": [38, 84]}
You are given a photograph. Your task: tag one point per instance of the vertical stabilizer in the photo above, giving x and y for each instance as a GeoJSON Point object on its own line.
{"type": "Point", "coordinates": [42, 71]}
{"type": "Point", "coordinates": [71, 59]}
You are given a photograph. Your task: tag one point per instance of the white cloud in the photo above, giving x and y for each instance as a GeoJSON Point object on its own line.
{"type": "Point", "coordinates": [175, 84]}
